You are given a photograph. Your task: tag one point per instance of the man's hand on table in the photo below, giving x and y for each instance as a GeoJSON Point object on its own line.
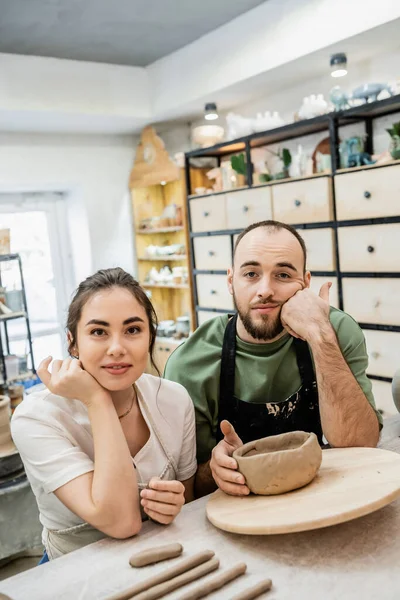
{"type": "Point", "coordinates": [224, 467]}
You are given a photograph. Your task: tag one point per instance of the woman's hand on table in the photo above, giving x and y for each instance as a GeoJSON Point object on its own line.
{"type": "Point", "coordinates": [162, 500]}
{"type": "Point", "coordinates": [224, 467]}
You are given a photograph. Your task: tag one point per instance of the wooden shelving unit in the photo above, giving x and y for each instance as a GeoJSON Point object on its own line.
{"type": "Point", "coordinates": [174, 258]}
{"type": "Point", "coordinates": [350, 217]}
{"type": "Point", "coordinates": [149, 199]}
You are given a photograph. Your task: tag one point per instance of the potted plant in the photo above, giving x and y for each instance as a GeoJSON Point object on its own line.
{"type": "Point", "coordinates": [394, 133]}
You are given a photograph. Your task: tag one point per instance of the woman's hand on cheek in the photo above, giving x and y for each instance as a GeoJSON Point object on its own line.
{"type": "Point", "coordinates": [163, 500]}
{"type": "Point", "coordinates": [70, 380]}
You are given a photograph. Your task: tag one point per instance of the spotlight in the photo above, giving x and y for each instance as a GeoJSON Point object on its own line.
{"type": "Point", "coordinates": [338, 64]}
{"type": "Point", "coordinates": [210, 111]}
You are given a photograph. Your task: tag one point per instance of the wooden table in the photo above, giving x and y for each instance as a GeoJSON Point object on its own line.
{"type": "Point", "coordinates": [356, 560]}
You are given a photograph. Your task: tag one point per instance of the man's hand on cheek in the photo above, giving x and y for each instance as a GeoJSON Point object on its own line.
{"type": "Point", "coordinates": [305, 313]}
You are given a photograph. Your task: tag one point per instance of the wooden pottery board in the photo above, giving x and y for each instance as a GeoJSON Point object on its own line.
{"type": "Point", "coordinates": [351, 482]}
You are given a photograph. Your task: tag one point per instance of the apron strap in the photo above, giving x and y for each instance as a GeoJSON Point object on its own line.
{"type": "Point", "coordinates": [227, 374]}
{"type": "Point", "coordinates": [304, 363]}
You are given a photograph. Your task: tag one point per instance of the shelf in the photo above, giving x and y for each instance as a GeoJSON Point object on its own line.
{"type": "Point", "coordinates": [291, 179]}
{"type": "Point", "coordinates": [20, 377]}
{"type": "Point", "coordinates": [266, 184]}
{"type": "Point", "coordinates": [389, 163]}
{"type": "Point", "coordinates": [301, 128]}
{"type": "Point", "coordinates": [164, 258]}
{"type": "Point", "coordinates": [5, 257]}
{"type": "Point", "coordinates": [237, 189]}
{"type": "Point", "coordinates": [181, 286]}
{"type": "Point", "coordinates": [263, 138]}
{"type": "Point", "coordinates": [10, 316]}
{"type": "Point", "coordinates": [161, 230]}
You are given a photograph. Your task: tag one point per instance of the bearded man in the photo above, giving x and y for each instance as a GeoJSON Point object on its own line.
{"type": "Point", "coordinates": [285, 361]}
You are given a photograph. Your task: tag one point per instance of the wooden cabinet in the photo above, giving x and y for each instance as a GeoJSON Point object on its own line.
{"type": "Point", "coordinates": [369, 248]}
{"type": "Point", "coordinates": [305, 201]}
{"type": "Point", "coordinates": [212, 291]}
{"type": "Point", "coordinates": [382, 391]}
{"type": "Point", "coordinates": [320, 249]}
{"type": "Point", "coordinates": [248, 206]}
{"type": "Point", "coordinates": [208, 214]}
{"type": "Point", "coordinates": [368, 194]}
{"type": "Point", "coordinates": [212, 253]}
{"type": "Point", "coordinates": [371, 300]}
{"type": "Point", "coordinates": [383, 351]}
{"type": "Point", "coordinates": [158, 193]}
{"type": "Point", "coordinates": [349, 220]}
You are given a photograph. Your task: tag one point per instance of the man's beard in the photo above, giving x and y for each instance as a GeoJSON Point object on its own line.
{"type": "Point", "coordinates": [269, 327]}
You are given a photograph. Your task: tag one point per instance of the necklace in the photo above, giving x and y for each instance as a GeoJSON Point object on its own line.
{"type": "Point", "coordinates": [130, 408]}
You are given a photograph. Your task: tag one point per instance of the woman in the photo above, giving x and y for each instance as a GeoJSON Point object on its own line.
{"type": "Point", "coordinates": [105, 442]}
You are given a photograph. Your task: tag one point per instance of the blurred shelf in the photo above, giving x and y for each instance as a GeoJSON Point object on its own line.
{"type": "Point", "coordinates": [164, 258]}
{"type": "Point", "coordinates": [160, 230]}
{"type": "Point", "coordinates": [389, 163]}
{"type": "Point", "coordinates": [16, 315]}
{"type": "Point", "coordinates": [20, 377]}
{"type": "Point", "coordinates": [182, 286]}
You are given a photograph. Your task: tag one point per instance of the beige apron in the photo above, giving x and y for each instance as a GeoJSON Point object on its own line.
{"type": "Point", "coordinates": [62, 541]}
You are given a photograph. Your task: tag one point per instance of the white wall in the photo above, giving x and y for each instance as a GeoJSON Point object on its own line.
{"type": "Point", "coordinates": [94, 172]}
{"type": "Point", "coordinates": [260, 42]}
{"type": "Point", "coordinates": [381, 68]}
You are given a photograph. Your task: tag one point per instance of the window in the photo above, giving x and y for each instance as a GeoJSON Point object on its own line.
{"type": "Point", "coordinates": [38, 232]}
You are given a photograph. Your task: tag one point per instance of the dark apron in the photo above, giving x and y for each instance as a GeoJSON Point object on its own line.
{"type": "Point", "coordinates": [253, 421]}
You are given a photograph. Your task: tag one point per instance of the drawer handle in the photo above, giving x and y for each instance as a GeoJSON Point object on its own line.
{"type": "Point", "coordinates": [297, 202]}
{"type": "Point", "coordinates": [213, 292]}
{"type": "Point", "coordinates": [211, 253]}
{"type": "Point", "coordinates": [377, 304]}
{"type": "Point", "coordinates": [375, 355]}
{"type": "Point", "coordinates": [245, 209]}
{"type": "Point", "coordinates": [371, 249]}
{"type": "Point", "coordinates": [206, 214]}
{"type": "Point", "coordinates": [367, 194]}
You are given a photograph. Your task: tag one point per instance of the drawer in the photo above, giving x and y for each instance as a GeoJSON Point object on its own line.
{"type": "Point", "coordinates": [384, 352]}
{"type": "Point", "coordinates": [248, 206]}
{"type": "Point", "coordinates": [212, 291]}
{"type": "Point", "coordinates": [372, 300]}
{"type": "Point", "coordinates": [320, 249]}
{"type": "Point", "coordinates": [369, 248]}
{"type": "Point", "coordinates": [208, 214]}
{"type": "Point", "coordinates": [306, 201]}
{"type": "Point", "coordinates": [368, 194]}
{"type": "Point", "coordinates": [382, 392]}
{"type": "Point", "coordinates": [206, 315]}
{"type": "Point", "coordinates": [212, 252]}
{"type": "Point", "coordinates": [317, 282]}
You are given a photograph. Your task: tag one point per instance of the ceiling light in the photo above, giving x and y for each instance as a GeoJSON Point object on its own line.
{"type": "Point", "coordinates": [210, 111]}
{"type": "Point", "coordinates": [338, 64]}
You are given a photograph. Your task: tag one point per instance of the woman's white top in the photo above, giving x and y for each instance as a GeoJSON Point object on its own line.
{"type": "Point", "coordinates": [54, 438]}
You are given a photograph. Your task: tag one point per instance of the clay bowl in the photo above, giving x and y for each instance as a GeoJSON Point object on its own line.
{"type": "Point", "coordinates": [279, 463]}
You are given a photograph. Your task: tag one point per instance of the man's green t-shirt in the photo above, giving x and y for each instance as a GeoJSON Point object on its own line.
{"type": "Point", "coordinates": [264, 372]}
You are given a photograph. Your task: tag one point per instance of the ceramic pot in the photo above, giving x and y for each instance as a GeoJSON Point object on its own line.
{"type": "Point", "coordinates": [279, 463]}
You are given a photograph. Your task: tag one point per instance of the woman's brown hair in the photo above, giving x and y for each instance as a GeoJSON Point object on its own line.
{"type": "Point", "coordinates": [103, 280]}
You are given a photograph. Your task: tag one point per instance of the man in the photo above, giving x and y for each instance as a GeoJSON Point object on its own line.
{"type": "Point", "coordinates": [253, 375]}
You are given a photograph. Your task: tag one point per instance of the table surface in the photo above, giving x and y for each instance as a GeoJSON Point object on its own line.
{"type": "Point", "coordinates": [358, 559]}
